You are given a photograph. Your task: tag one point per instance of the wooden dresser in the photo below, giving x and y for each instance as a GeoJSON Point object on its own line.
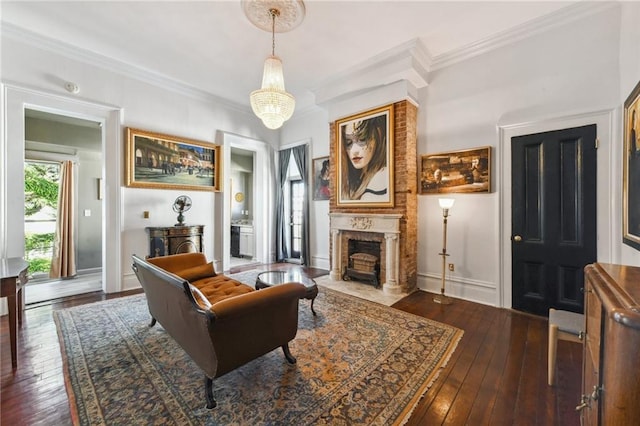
{"type": "Point", "coordinates": [168, 240]}
{"type": "Point", "coordinates": [611, 363]}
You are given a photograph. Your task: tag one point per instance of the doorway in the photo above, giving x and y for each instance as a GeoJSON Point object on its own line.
{"type": "Point", "coordinates": [50, 140]}
{"type": "Point", "coordinates": [12, 151]}
{"type": "Point", "coordinates": [296, 203]}
{"type": "Point", "coordinates": [554, 218]}
{"type": "Point", "coordinates": [243, 212]}
{"type": "Point", "coordinates": [258, 202]}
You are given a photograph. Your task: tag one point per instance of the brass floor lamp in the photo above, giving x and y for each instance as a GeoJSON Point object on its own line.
{"type": "Point", "coordinates": [445, 205]}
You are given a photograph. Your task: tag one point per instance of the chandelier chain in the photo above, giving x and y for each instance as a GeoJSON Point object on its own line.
{"type": "Point", "coordinates": [273, 12]}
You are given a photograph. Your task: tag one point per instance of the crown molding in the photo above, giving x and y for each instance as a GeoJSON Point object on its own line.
{"type": "Point", "coordinates": [373, 97]}
{"type": "Point", "coordinates": [110, 64]}
{"type": "Point", "coordinates": [562, 17]}
{"type": "Point", "coordinates": [408, 62]}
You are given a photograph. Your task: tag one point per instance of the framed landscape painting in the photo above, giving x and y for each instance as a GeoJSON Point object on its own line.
{"type": "Point", "coordinates": [154, 160]}
{"type": "Point", "coordinates": [463, 171]}
{"type": "Point", "coordinates": [364, 148]}
{"type": "Point", "coordinates": [631, 170]}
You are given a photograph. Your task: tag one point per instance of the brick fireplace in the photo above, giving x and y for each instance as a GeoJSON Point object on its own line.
{"type": "Point", "coordinates": [394, 228]}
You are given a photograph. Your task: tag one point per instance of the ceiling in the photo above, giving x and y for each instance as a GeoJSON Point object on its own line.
{"type": "Point", "coordinates": [212, 46]}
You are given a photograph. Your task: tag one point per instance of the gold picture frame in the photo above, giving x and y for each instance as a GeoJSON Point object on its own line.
{"type": "Point", "coordinates": [364, 151]}
{"type": "Point", "coordinates": [631, 170]}
{"type": "Point", "coordinates": [156, 160]}
{"type": "Point", "coordinates": [463, 171]}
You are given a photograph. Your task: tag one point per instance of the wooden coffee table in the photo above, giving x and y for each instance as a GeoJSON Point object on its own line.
{"type": "Point", "coordinates": [271, 278]}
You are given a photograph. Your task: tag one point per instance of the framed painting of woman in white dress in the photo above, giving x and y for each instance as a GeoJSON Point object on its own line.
{"type": "Point", "coordinates": [365, 159]}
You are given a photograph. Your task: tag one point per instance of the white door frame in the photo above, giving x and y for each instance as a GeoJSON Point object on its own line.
{"type": "Point", "coordinates": [606, 198]}
{"type": "Point", "coordinates": [263, 190]}
{"type": "Point", "coordinates": [15, 99]}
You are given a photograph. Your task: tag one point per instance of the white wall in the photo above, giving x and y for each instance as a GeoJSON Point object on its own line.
{"type": "Point", "coordinates": [177, 111]}
{"type": "Point", "coordinates": [550, 77]}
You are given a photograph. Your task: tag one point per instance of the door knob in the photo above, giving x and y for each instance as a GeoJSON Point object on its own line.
{"type": "Point", "coordinates": [517, 238]}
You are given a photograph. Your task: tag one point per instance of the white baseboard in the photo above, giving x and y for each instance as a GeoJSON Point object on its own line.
{"type": "Point", "coordinates": [320, 262]}
{"type": "Point", "coordinates": [483, 292]}
{"type": "Point", "coordinates": [130, 282]}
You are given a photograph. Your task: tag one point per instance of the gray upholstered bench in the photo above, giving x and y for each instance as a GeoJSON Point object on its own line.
{"type": "Point", "coordinates": [563, 325]}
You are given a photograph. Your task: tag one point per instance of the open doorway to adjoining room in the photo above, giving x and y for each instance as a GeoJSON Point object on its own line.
{"type": "Point", "coordinates": [247, 207]}
{"type": "Point", "coordinates": [63, 205]}
{"type": "Point", "coordinates": [17, 102]}
{"type": "Point", "coordinates": [242, 208]}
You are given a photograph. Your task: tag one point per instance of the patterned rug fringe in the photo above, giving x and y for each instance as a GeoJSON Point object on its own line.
{"type": "Point", "coordinates": [445, 361]}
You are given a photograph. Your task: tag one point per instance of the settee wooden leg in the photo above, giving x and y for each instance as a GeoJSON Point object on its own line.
{"type": "Point", "coordinates": [287, 354]}
{"type": "Point", "coordinates": [153, 322]}
{"type": "Point", "coordinates": [208, 391]}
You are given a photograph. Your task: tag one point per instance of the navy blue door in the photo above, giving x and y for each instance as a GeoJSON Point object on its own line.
{"type": "Point", "coordinates": [553, 218]}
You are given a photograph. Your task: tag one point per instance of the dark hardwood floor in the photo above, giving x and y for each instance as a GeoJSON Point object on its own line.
{"type": "Point", "coordinates": [496, 376]}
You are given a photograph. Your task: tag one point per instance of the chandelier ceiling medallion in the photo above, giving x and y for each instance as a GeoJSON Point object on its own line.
{"type": "Point", "coordinates": [271, 103]}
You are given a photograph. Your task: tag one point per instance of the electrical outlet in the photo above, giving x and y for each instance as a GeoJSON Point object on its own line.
{"type": "Point", "coordinates": [451, 267]}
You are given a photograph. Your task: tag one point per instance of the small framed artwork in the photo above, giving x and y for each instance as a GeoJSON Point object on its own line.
{"type": "Point", "coordinates": [154, 160]}
{"type": "Point", "coordinates": [364, 148]}
{"type": "Point", "coordinates": [456, 171]}
{"type": "Point", "coordinates": [631, 170]}
{"type": "Point", "coordinates": [321, 173]}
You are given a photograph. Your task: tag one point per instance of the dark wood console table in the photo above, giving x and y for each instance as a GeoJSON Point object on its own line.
{"type": "Point", "coordinates": [167, 240]}
{"type": "Point", "coordinates": [13, 275]}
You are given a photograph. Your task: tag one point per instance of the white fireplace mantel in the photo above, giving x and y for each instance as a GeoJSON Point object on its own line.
{"type": "Point", "coordinates": [387, 224]}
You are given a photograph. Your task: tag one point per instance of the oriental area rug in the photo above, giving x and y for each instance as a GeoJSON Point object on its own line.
{"type": "Point", "coordinates": [358, 363]}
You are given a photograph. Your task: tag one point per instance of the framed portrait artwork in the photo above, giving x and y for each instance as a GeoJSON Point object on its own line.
{"type": "Point", "coordinates": [364, 151]}
{"type": "Point", "coordinates": [631, 170]}
{"type": "Point", "coordinates": [456, 171]}
{"type": "Point", "coordinates": [154, 160]}
{"type": "Point", "coordinates": [321, 173]}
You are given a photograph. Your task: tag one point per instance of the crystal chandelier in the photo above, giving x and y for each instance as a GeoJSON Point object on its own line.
{"type": "Point", "coordinates": [271, 103]}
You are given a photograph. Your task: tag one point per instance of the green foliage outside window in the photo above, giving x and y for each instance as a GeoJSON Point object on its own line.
{"type": "Point", "coordinates": [40, 191]}
{"type": "Point", "coordinates": [38, 251]}
{"type": "Point", "coordinates": [39, 242]}
{"type": "Point", "coordinates": [40, 187]}
{"type": "Point", "coordinates": [39, 264]}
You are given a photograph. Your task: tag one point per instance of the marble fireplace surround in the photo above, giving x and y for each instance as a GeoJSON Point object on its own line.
{"type": "Point", "coordinates": [386, 224]}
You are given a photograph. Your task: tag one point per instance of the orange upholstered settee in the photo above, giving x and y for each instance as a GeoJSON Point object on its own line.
{"type": "Point", "coordinates": [220, 322]}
